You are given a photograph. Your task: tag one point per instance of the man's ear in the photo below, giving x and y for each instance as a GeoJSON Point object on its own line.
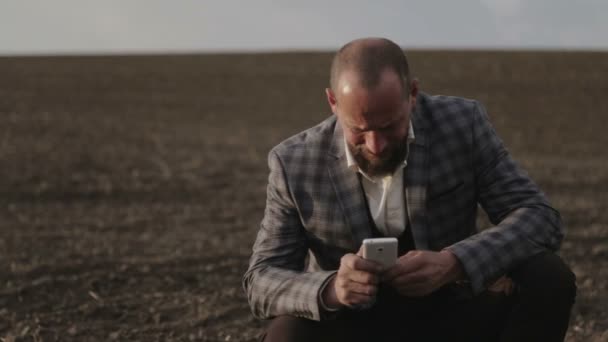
{"type": "Point", "coordinates": [331, 99]}
{"type": "Point", "coordinates": [414, 88]}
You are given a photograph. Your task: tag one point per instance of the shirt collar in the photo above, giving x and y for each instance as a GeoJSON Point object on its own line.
{"type": "Point", "coordinates": [352, 164]}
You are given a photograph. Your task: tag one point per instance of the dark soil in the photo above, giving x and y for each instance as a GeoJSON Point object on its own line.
{"type": "Point", "coordinates": [131, 188]}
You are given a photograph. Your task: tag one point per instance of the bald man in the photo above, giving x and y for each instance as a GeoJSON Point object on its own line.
{"type": "Point", "coordinates": [395, 162]}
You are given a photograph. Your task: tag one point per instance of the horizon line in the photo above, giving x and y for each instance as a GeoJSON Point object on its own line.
{"type": "Point", "coordinates": [293, 50]}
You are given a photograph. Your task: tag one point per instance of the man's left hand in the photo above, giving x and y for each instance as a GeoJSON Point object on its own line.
{"type": "Point", "coordinates": [419, 273]}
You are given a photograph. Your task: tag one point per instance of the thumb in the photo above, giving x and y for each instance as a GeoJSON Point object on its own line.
{"type": "Point", "coordinates": [360, 252]}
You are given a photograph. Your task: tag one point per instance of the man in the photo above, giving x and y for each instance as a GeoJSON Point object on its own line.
{"type": "Point", "coordinates": [393, 161]}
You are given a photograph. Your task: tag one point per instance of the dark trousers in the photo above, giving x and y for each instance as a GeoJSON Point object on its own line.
{"type": "Point", "coordinates": [538, 311]}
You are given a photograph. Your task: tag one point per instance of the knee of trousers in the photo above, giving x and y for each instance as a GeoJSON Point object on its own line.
{"type": "Point", "coordinates": [545, 277]}
{"type": "Point", "coordinates": [289, 329]}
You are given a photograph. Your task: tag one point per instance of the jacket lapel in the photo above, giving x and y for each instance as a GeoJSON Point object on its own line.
{"type": "Point", "coordinates": [415, 182]}
{"type": "Point", "coordinates": [348, 190]}
{"type": "Point", "coordinates": [349, 193]}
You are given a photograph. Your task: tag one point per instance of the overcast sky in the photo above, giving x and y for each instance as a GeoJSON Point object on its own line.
{"type": "Point", "coordinates": [115, 26]}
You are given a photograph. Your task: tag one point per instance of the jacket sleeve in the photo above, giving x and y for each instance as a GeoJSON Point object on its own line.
{"type": "Point", "coordinates": [276, 282]}
{"type": "Point", "coordinates": [524, 222]}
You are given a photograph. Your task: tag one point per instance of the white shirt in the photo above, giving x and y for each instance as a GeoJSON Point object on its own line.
{"type": "Point", "coordinates": [385, 198]}
{"type": "Point", "coordinates": [385, 195]}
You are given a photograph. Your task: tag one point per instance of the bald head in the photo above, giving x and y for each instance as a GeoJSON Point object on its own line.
{"type": "Point", "coordinates": [367, 59]}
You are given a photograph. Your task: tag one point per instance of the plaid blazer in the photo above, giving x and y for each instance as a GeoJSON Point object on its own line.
{"type": "Point", "coordinates": [315, 210]}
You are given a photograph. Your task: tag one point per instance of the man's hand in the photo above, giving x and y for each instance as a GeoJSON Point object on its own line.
{"type": "Point", "coordinates": [503, 285]}
{"type": "Point", "coordinates": [355, 284]}
{"type": "Point", "coordinates": [419, 273]}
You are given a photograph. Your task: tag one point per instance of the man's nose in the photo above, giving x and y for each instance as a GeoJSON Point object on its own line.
{"type": "Point", "coordinates": [375, 143]}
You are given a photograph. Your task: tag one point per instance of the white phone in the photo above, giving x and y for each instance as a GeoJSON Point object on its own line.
{"type": "Point", "coordinates": [381, 250]}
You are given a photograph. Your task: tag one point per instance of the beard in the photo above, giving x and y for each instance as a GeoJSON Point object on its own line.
{"type": "Point", "coordinates": [382, 165]}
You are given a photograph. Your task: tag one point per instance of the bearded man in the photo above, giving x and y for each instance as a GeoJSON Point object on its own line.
{"type": "Point", "coordinates": [395, 162]}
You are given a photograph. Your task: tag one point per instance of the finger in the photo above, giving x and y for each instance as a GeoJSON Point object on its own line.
{"type": "Point", "coordinates": [409, 279]}
{"type": "Point", "coordinates": [391, 273]}
{"type": "Point", "coordinates": [413, 260]}
{"type": "Point", "coordinates": [500, 285]}
{"type": "Point", "coordinates": [354, 299]}
{"type": "Point", "coordinates": [350, 293]}
{"type": "Point", "coordinates": [414, 284]}
{"type": "Point", "coordinates": [362, 277]}
{"type": "Point", "coordinates": [510, 287]}
{"type": "Point", "coordinates": [347, 275]}
{"type": "Point", "coordinates": [363, 289]}
{"type": "Point", "coordinates": [410, 262]}
{"type": "Point", "coordinates": [399, 270]}
{"type": "Point", "coordinates": [357, 263]}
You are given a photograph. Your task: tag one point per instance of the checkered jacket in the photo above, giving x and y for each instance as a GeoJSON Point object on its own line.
{"type": "Point", "coordinates": [315, 209]}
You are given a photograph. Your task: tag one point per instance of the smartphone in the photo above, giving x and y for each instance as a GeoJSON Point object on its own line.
{"type": "Point", "coordinates": [381, 250]}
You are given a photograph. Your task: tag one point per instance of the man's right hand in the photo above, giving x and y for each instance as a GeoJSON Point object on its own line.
{"type": "Point", "coordinates": [355, 284]}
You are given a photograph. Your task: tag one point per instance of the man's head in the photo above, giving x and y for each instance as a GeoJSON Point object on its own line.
{"type": "Point", "coordinates": [372, 95]}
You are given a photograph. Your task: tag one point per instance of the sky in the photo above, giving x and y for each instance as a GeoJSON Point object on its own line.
{"type": "Point", "coordinates": [140, 26]}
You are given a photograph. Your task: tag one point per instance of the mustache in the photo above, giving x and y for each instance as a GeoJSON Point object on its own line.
{"type": "Point", "coordinates": [379, 165]}
{"type": "Point", "coordinates": [364, 151]}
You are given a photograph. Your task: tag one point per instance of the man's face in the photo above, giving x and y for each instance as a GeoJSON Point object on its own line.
{"type": "Point", "coordinates": [375, 121]}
